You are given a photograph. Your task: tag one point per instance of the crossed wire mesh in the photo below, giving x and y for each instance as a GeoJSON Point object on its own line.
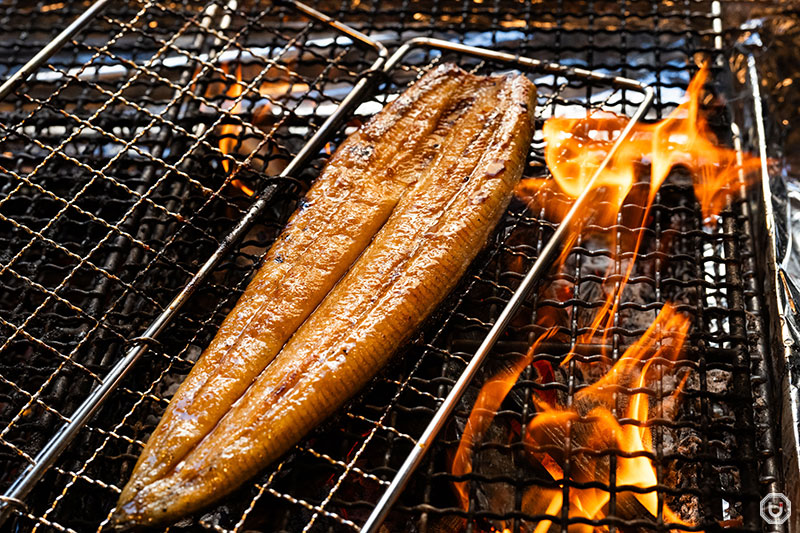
{"type": "Point", "coordinates": [114, 191]}
{"type": "Point", "coordinates": [114, 185]}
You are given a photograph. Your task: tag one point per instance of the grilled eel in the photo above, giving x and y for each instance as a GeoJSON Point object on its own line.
{"type": "Point", "coordinates": [349, 202]}
{"type": "Point", "coordinates": [430, 176]}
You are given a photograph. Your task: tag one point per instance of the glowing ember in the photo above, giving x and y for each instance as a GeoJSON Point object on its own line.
{"type": "Point", "coordinates": [228, 132]}
{"type": "Point", "coordinates": [575, 148]}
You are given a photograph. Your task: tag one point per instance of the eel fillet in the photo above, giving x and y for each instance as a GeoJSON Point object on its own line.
{"type": "Point", "coordinates": [383, 236]}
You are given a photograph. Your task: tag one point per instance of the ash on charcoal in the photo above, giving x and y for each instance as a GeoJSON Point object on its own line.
{"type": "Point", "coordinates": [718, 380]}
{"type": "Point", "coordinates": [689, 443]}
{"type": "Point", "coordinates": [681, 474]}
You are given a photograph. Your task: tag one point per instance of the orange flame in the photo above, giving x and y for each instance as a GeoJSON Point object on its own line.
{"type": "Point", "coordinates": [620, 195]}
{"type": "Point", "coordinates": [489, 399]}
{"type": "Point", "coordinates": [277, 84]}
{"type": "Point", "coordinates": [598, 429]}
{"type": "Point", "coordinates": [228, 132]}
{"type": "Point", "coordinates": [575, 149]}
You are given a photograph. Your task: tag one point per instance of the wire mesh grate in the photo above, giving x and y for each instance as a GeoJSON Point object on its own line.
{"type": "Point", "coordinates": [114, 183]}
{"type": "Point", "coordinates": [128, 158]}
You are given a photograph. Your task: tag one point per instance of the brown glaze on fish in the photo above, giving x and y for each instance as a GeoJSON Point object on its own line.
{"type": "Point", "coordinates": [348, 203]}
{"type": "Point", "coordinates": [452, 178]}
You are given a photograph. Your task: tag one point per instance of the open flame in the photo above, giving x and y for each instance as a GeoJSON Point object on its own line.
{"type": "Point", "coordinates": [621, 195]}
{"type": "Point", "coordinates": [278, 86]}
{"type": "Point", "coordinates": [576, 147]}
{"type": "Point", "coordinates": [228, 133]}
{"type": "Point", "coordinates": [589, 423]}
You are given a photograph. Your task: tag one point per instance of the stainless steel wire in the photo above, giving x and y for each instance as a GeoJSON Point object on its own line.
{"type": "Point", "coordinates": [532, 277]}
{"type": "Point", "coordinates": [76, 420]}
{"type": "Point", "coordinates": [374, 424]}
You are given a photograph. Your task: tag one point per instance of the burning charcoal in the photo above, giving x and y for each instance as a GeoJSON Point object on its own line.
{"type": "Point", "coordinates": [717, 380]}
{"type": "Point", "coordinates": [583, 467]}
{"type": "Point", "coordinates": [446, 524]}
{"type": "Point", "coordinates": [690, 444]}
{"type": "Point", "coordinates": [671, 380]}
{"type": "Point", "coordinates": [683, 473]}
{"type": "Point", "coordinates": [688, 507]}
{"type": "Point", "coordinates": [685, 505]}
{"type": "Point", "coordinates": [497, 496]}
{"type": "Point", "coordinates": [723, 444]}
{"type": "Point", "coordinates": [728, 476]}
{"type": "Point", "coordinates": [494, 465]}
{"type": "Point", "coordinates": [558, 290]}
{"type": "Point", "coordinates": [692, 384]}
{"type": "Point", "coordinates": [669, 407]}
{"type": "Point", "coordinates": [593, 372]}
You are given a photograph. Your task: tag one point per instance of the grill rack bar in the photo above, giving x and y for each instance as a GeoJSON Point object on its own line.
{"type": "Point", "coordinates": [14, 496]}
{"type": "Point", "coordinates": [783, 331]}
{"type": "Point", "coordinates": [532, 277]}
{"type": "Point", "coordinates": [52, 47]}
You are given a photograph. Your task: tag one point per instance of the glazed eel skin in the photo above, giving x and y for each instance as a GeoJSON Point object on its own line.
{"type": "Point", "coordinates": [384, 234]}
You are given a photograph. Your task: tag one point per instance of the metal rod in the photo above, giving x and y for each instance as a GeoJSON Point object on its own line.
{"type": "Point", "coordinates": [15, 494]}
{"type": "Point", "coordinates": [526, 62]}
{"type": "Point", "coordinates": [45, 458]}
{"type": "Point", "coordinates": [52, 47]}
{"type": "Point", "coordinates": [539, 268]}
{"type": "Point", "coordinates": [254, 53]}
{"type": "Point", "coordinates": [769, 470]}
{"type": "Point", "coordinates": [342, 28]}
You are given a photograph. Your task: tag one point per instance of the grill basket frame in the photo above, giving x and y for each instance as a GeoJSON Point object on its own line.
{"type": "Point", "coordinates": [318, 510]}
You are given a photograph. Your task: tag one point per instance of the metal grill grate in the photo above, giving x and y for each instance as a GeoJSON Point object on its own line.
{"type": "Point", "coordinates": [114, 192]}
{"type": "Point", "coordinates": [114, 187]}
